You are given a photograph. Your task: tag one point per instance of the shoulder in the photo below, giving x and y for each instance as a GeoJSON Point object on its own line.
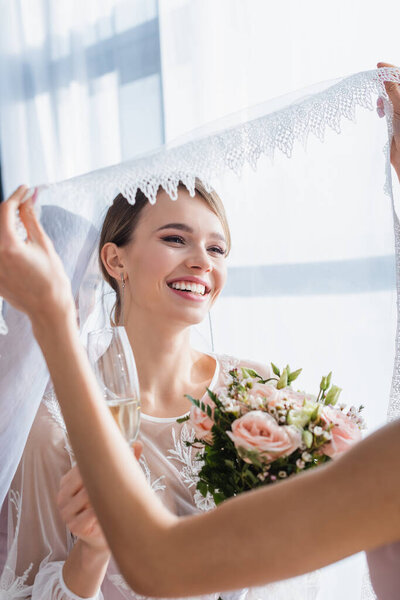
{"type": "Point", "coordinates": [228, 362]}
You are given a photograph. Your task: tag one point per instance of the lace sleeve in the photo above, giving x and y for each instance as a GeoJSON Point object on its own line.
{"type": "Point", "coordinates": [38, 541]}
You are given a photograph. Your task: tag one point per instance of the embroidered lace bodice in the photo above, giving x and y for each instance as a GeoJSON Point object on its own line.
{"type": "Point", "coordinates": [38, 540]}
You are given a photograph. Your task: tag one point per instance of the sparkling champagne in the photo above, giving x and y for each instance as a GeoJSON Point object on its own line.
{"type": "Point", "coordinates": [126, 413]}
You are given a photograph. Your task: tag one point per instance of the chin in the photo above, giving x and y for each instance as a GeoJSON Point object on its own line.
{"type": "Point", "coordinates": [190, 318]}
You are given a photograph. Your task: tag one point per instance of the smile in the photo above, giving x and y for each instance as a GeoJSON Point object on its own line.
{"type": "Point", "coordinates": [189, 289]}
{"type": "Point", "coordinates": [187, 286]}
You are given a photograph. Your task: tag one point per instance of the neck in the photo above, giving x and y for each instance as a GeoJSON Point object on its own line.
{"type": "Point", "coordinates": [165, 361]}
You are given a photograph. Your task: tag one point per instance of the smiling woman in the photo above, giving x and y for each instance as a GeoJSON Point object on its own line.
{"type": "Point", "coordinates": [122, 220]}
{"type": "Point", "coordinates": [167, 265]}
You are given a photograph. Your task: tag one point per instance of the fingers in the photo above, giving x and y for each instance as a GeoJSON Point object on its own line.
{"type": "Point", "coordinates": [380, 107]}
{"type": "Point", "coordinates": [138, 448]}
{"type": "Point", "coordinates": [380, 65]}
{"type": "Point", "coordinates": [31, 223]}
{"type": "Point", "coordinates": [76, 505]}
{"type": "Point", "coordinates": [71, 483]}
{"type": "Point", "coordinates": [84, 523]}
{"type": "Point", "coordinates": [8, 217]}
{"type": "Point", "coordinates": [392, 88]}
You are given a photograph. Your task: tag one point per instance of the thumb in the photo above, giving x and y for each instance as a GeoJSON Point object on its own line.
{"type": "Point", "coordinates": [392, 88]}
{"type": "Point", "coordinates": [29, 219]}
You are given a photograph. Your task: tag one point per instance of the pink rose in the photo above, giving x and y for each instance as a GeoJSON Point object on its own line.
{"type": "Point", "coordinates": [258, 431]}
{"type": "Point", "coordinates": [345, 433]}
{"type": "Point", "coordinates": [266, 391]}
{"type": "Point", "coordinates": [201, 422]}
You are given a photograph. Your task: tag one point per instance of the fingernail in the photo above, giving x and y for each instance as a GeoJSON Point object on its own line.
{"type": "Point", "coordinates": [380, 107]}
{"type": "Point", "coordinates": [380, 111]}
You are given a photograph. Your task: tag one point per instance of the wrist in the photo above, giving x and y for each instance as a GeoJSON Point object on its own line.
{"type": "Point", "coordinates": [84, 570]}
{"type": "Point", "coordinates": [53, 322]}
{"type": "Point", "coordinates": [92, 554]}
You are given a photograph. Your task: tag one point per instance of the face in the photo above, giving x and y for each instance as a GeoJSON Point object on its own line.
{"type": "Point", "coordinates": [175, 264]}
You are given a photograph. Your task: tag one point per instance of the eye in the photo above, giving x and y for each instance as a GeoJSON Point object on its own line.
{"type": "Point", "coordinates": [177, 239]}
{"type": "Point", "coordinates": [218, 250]}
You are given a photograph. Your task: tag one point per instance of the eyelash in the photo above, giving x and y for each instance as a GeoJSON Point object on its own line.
{"type": "Point", "coordinates": [173, 238]}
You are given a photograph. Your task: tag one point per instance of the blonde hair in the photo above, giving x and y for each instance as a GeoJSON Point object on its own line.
{"type": "Point", "coordinates": [121, 221]}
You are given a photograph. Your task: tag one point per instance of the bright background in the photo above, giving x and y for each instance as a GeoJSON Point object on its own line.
{"type": "Point", "coordinates": [86, 84]}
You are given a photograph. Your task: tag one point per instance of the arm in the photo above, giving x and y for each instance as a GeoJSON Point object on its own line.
{"type": "Point", "coordinates": [159, 554]}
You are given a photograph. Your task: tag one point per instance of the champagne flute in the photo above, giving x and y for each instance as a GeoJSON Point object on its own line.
{"type": "Point", "coordinates": [113, 362]}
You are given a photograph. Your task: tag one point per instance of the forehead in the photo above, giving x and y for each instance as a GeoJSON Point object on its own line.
{"type": "Point", "coordinates": [194, 212]}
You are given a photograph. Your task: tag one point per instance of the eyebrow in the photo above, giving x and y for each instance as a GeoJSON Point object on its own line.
{"type": "Point", "coordinates": [183, 227]}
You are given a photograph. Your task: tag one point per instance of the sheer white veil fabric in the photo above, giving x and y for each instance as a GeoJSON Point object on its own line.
{"type": "Point", "coordinates": [319, 297]}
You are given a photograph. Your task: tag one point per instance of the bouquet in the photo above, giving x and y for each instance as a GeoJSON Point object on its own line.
{"type": "Point", "coordinates": [256, 431]}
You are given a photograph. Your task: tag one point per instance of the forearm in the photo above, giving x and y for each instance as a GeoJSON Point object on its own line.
{"type": "Point", "coordinates": [292, 527]}
{"type": "Point", "coordinates": [84, 570]}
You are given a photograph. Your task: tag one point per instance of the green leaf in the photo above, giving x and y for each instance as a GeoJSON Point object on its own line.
{"type": "Point", "coordinates": [213, 397]}
{"type": "Point", "coordinates": [229, 463]}
{"type": "Point", "coordinates": [218, 497]}
{"type": "Point", "coordinates": [275, 369]}
{"type": "Point", "coordinates": [209, 411]}
{"type": "Point", "coordinates": [294, 375]}
{"type": "Point", "coordinates": [183, 419]}
{"type": "Point", "coordinates": [251, 455]}
{"type": "Point", "coordinates": [193, 400]}
{"type": "Point", "coordinates": [203, 488]}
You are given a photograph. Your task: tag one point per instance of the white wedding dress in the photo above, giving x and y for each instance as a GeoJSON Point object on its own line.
{"type": "Point", "coordinates": [39, 541]}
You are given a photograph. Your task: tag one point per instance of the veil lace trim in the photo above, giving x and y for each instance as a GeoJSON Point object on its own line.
{"type": "Point", "coordinates": [232, 148]}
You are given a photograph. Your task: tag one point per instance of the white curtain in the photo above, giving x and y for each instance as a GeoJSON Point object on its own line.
{"type": "Point", "coordinates": [221, 56]}
{"type": "Point", "coordinates": [80, 86]}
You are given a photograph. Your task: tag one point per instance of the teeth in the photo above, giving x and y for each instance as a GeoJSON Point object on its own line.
{"type": "Point", "coordinates": [189, 286]}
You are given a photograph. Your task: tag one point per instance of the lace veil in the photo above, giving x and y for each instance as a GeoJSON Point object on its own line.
{"type": "Point", "coordinates": [312, 273]}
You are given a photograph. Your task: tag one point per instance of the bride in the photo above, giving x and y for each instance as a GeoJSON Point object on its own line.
{"type": "Point", "coordinates": [167, 265]}
{"type": "Point", "coordinates": [158, 553]}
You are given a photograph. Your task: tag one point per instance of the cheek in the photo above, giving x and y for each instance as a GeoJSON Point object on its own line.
{"type": "Point", "coordinates": [152, 266]}
{"type": "Point", "coordinates": [220, 276]}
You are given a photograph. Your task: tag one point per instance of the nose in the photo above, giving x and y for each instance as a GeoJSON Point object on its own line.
{"type": "Point", "coordinates": [199, 260]}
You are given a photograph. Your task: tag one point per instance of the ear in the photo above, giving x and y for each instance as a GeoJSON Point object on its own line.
{"type": "Point", "coordinates": [111, 257]}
